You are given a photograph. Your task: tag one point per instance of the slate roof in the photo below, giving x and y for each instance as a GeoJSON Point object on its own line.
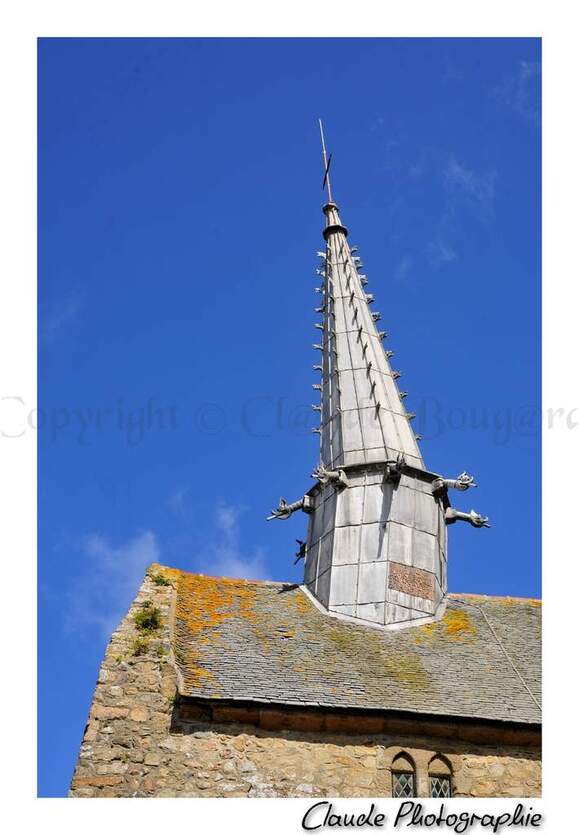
{"type": "Point", "coordinates": [267, 642]}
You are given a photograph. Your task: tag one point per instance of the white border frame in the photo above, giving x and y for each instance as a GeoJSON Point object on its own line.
{"type": "Point", "coordinates": [21, 24]}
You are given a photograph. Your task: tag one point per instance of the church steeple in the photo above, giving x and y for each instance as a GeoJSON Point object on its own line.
{"type": "Point", "coordinates": [376, 548]}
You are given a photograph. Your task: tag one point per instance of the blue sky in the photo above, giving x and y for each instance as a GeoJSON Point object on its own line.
{"type": "Point", "coordinates": [179, 217]}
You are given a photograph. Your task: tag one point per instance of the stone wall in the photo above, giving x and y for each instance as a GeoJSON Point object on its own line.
{"type": "Point", "coordinates": [141, 741]}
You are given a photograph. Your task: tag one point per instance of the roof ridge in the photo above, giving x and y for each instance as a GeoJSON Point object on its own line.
{"type": "Point", "coordinates": [498, 597]}
{"type": "Point", "coordinates": [244, 580]}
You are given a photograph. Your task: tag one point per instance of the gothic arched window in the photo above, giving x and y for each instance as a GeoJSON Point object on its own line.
{"type": "Point", "coordinates": [440, 777]}
{"type": "Point", "coordinates": [403, 776]}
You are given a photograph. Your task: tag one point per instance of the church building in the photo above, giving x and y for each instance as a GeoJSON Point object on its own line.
{"type": "Point", "coordinates": [367, 680]}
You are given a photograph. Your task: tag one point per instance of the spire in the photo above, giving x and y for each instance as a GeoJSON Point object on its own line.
{"type": "Point", "coordinates": [363, 417]}
{"type": "Point", "coordinates": [376, 549]}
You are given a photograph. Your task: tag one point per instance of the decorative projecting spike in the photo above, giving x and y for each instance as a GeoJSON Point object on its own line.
{"type": "Point", "coordinates": [317, 386]}
{"type": "Point", "coordinates": [369, 297]}
{"type": "Point", "coordinates": [318, 347]}
{"type": "Point", "coordinates": [363, 280]}
{"type": "Point", "coordinates": [382, 334]}
{"type": "Point", "coordinates": [302, 550]}
{"type": "Point", "coordinates": [321, 255]}
{"type": "Point", "coordinates": [320, 309]}
{"type": "Point", "coordinates": [316, 408]}
{"type": "Point", "coordinates": [396, 374]}
{"type": "Point", "coordinates": [318, 368]}
{"type": "Point", "coordinates": [418, 437]}
{"type": "Point", "coordinates": [319, 290]}
{"type": "Point", "coordinates": [317, 430]}
{"type": "Point", "coordinates": [353, 249]}
{"type": "Point", "coordinates": [319, 326]}
{"type": "Point", "coordinates": [389, 354]}
{"type": "Point", "coordinates": [403, 394]}
{"type": "Point", "coordinates": [376, 316]}
{"type": "Point", "coordinates": [411, 415]}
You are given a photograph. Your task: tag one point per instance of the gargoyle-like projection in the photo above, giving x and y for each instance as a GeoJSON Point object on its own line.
{"type": "Point", "coordinates": [285, 510]}
{"type": "Point", "coordinates": [475, 519]}
{"type": "Point", "coordinates": [395, 468]}
{"type": "Point", "coordinates": [461, 482]}
{"type": "Point", "coordinates": [324, 476]}
{"type": "Point", "coordinates": [338, 477]}
{"type": "Point", "coordinates": [464, 481]}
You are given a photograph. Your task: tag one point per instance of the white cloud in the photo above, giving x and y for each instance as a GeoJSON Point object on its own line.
{"type": "Point", "coordinates": [464, 187]}
{"type": "Point", "coordinates": [226, 556]}
{"type": "Point", "coordinates": [478, 188]}
{"type": "Point", "coordinates": [109, 575]}
{"type": "Point", "coordinates": [520, 90]}
{"type": "Point", "coordinates": [220, 552]}
{"type": "Point", "coordinates": [440, 252]}
{"type": "Point", "coordinates": [403, 268]}
{"type": "Point", "coordinates": [178, 504]}
{"type": "Point", "coordinates": [108, 580]}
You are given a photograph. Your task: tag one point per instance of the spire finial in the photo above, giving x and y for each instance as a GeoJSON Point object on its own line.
{"type": "Point", "coordinates": [327, 161]}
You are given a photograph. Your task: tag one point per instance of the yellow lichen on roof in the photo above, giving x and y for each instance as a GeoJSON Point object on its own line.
{"type": "Point", "coordinates": [456, 625]}
{"type": "Point", "coordinates": [302, 604]}
{"type": "Point", "coordinates": [203, 604]}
